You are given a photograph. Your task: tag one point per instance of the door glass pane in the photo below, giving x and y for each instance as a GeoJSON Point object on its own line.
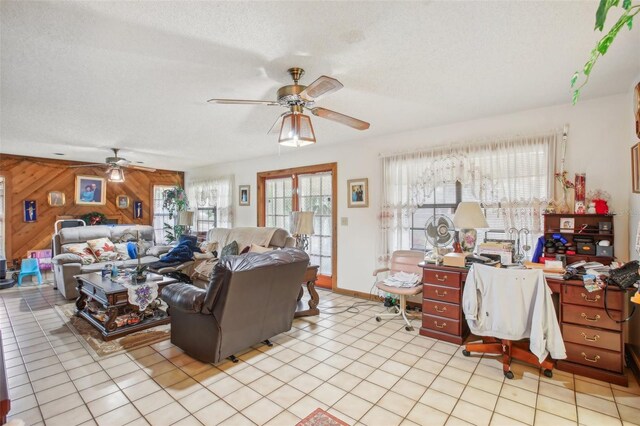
{"type": "Point", "coordinates": [315, 195]}
{"type": "Point", "coordinates": [278, 198]}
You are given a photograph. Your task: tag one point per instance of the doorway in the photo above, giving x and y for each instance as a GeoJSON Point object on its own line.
{"type": "Point", "coordinates": [310, 188]}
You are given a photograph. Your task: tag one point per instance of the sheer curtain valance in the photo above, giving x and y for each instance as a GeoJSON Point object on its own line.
{"type": "Point", "coordinates": [513, 175]}
{"type": "Point", "coordinates": [215, 192]}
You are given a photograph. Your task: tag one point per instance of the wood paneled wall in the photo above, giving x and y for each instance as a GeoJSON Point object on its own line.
{"type": "Point", "coordinates": [31, 178]}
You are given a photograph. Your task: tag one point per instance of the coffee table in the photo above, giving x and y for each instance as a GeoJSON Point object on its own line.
{"type": "Point", "coordinates": [102, 301]}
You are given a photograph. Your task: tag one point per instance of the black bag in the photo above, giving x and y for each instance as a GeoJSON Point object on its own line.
{"type": "Point", "coordinates": [625, 276]}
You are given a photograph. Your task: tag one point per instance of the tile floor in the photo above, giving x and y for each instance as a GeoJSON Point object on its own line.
{"type": "Point", "coordinates": [360, 371]}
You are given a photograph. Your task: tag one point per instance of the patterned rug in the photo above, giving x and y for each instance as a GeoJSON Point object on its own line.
{"type": "Point", "coordinates": [321, 418]}
{"type": "Point", "coordinates": [91, 338]}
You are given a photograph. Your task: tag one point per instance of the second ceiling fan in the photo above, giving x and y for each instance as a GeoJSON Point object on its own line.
{"type": "Point", "coordinates": [296, 128]}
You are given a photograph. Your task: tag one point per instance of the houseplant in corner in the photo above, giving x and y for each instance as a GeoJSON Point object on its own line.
{"type": "Point", "coordinates": [175, 201]}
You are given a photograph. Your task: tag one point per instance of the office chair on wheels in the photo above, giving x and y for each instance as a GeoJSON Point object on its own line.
{"type": "Point", "coordinates": [505, 306]}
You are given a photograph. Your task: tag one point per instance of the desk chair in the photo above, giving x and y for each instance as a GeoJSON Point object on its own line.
{"type": "Point", "coordinates": [401, 261]}
{"type": "Point", "coordinates": [504, 306]}
{"type": "Point", "coordinates": [29, 267]}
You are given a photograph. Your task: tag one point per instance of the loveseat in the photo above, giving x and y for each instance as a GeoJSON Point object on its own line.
{"type": "Point", "coordinates": [250, 298]}
{"type": "Point", "coordinates": [66, 265]}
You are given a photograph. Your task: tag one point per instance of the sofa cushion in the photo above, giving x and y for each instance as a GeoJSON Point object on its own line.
{"type": "Point", "coordinates": [230, 249]}
{"type": "Point", "coordinates": [123, 251]}
{"type": "Point", "coordinates": [259, 249]}
{"type": "Point", "coordinates": [103, 249]}
{"type": "Point", "coordinates": [209, 246]}
{"type": "Point", "coordinates": [82, 234]}
{"type": "Point", "coordinates": [124, 233]}
{"type": "Point", "coordinates": [82, 250]}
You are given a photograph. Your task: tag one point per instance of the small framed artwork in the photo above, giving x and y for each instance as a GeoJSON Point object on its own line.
{"type": "Point", "coordinates": [122, 201]}
{"type": "Point", "coordinates": [358, 192]}
{"type": "Point", "coordinates": [635, 171]}
{"type": "Point", "coordinates": [567, 224]}
{"type": "Point", "coordinates": [91, 191]}
{"type": "Point", "coordinates": [245, 195]}
{"type": "Point", "coordinates": [637, 108]}
{"type": "Point", "coordinates": [30, 211]}
{"type": "Point", "coordinates": [137, 209]}
{"type": "Point", "coordinates": [56, 198]}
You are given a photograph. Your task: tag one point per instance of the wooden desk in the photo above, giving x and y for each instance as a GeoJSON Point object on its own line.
{"type": "Point", "coordinates": [309, 279]}
{"type": "Point", "coordinates": [594, 342]}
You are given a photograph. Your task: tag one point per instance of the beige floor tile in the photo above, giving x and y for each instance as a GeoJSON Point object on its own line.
{"type": "Point", "coordinates": [472, 413]}
{"type": "Point", "coordinates": [626, 398]}
{"type": "Point", "coordinates": [396, 403]}
{"type": "Point", "coordinates": [438, 400]}
{"type": "Point", "coordinates": [59, 406]}
{"type": "Point", "coordinates": [262, 411]}
{"type": "Point", "coordinates": [120, 416]}
{"type": "Point", "coordinates": [55, 392]}
{"type": "Point", "coordinates": [517, 394]}
{"type": "Point", "coordinates": [456, 374]}
{"type": "Point", "coordinates": [327, 393]}
{"type": "Point", "coordinates": [98, 391]}
{"type": "Point", "coordinates": [20, 391]}
{"type": "Point", "coordinates": [423, 414]}
{"type": "Point", "coordinates": [198, 400]}
{"type": "Point", "coordinates": [160, 368]}
{"type": "Point", "coordinates": [359, 369]}
{"type": "Point", "coordinates": [429, 366]}
{"type": "Point", "coordinates": [597, 404]}
{"type": "Point", "coordinates": [486, 384]}
{"type": "Point", "coordinates": [557, 392]}
{"type": "Point", "coordinates": [448, 386]}
{"type": "Point", "coordinates": [382, 378]}
{"type": "Point", "coordinates": [479, 397]}
{"type": "Point", "coordinates": [85, 370]}
{"type": "Point", "coordinates": [242, 398]}
{"type": "Point", "coordinates": [248, 374]}
{"type": "Point", "coordinates": [187, 421]}
{"type": "Point", "coordinates": [141, 390]}
{"type": "Point", "coordinates": [225, 386]}
{"type": "Point", "coordinates": [23, 404]}
{"type": "Point", "coordinates": [91, 380]}
{"type": "Point", "coordinates": [353, 406]}
{"type": "Point", "coordinates": [588, 417]}
{"type": "Point", "coordinates": [515, 410]}
{"type": "Point", "coordinates": [303, 363]}
{"type": "Point", "coordinates": [378, 416]}
{"type": "Point", "coordinates": [410, 390]}
{"type": "Point", "coordinates": [338, 361]}
{"type": "Point", "coordinates": [284, 418]}
{"type": "Point", "coordinates": [183, 388]}
{"type": "Point", "coordinates": [420, 377]}
{"type": "Point", "coordinates": [369, 391]}
{"type": "Point", "coordinates": [405, 358]}
{"type": "Point", "coordinates": [153, 402]}
{"type": "Point", "coordinates": [131, 379]}
{"type": "Point", "coordinates": [285, 396]}
{"type": "Point", "coordinates": [74, 416]}
{"type": "Point", "coordinates": [306, 406]}
{"type": "Point", "coordinates": [629, 414]}
{"type": "Point", "coordinates": [167, 415]}
{"type": "Point", "coordinates": [344, 380]}
{"type": "Point", "coordinates": [559, 408]}
{"type": "Point", "coordinates": [239, 420]}
{"type": "Point", "coordinates": [594, 389]}
{"type": "Point", "coordinates": [305, 382]}
{"type": "Point", "coordinates": [107, 403]}
{"type": "Point", "coordinates": [500, 420]}
{"type": "Point", "coordinates": [266, 384]}
{"type": "Point", "coordinates": [29, 417]}
{"type": "Point", "coordinates": [170, 378]}
{"type": "Point", "coordinates": [208, 377]}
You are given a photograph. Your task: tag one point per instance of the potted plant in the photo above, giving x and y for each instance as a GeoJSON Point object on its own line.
{"type": "Point", "coordinates": [175, 201]}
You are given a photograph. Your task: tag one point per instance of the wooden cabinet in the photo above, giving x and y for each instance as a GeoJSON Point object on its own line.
{"type": "Point", "coordinates": [584, 225]}
{"type": "Point", "coordinates": [442, 316]}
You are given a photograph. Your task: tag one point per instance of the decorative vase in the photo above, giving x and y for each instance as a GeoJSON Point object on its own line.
{"type": "Point", "coordinates": [563, 206]}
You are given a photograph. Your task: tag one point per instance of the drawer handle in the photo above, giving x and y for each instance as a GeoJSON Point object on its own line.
{"type": "Point", "coordinates": [590, 339]}
{"type": "Point", "coordinates": [441, 279]}
{"type": "Point", "coordinates": [594, 319]}
{"type": "Point", "coordinates": [444, 324]}
{"type": "Point", "coordinates": [594, 359]}
{"type": "Point", "coordinates": [440, 310]}
{"type": "Point", "coordinates": [444, 293]}
{"type": "Point", "coordinates": [587, 299]}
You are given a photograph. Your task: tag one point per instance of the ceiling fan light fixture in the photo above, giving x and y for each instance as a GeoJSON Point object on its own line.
{"type": "Point", "coordinates": [115, 174]}
{"type": "Point", "coordinates": [296, 130]}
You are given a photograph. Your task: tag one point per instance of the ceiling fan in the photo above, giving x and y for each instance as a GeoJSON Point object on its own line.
{"type": "Point", "coordinates": [296, 128]}
{"type": "Point", "coordinates": [114, 166]}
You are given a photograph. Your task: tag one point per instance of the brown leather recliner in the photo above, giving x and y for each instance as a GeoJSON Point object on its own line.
{"type": "Point", "coordinates": [250, 298]}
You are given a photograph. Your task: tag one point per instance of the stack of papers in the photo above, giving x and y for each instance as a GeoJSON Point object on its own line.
{"type": "Point", "coordinates": [403, 280]}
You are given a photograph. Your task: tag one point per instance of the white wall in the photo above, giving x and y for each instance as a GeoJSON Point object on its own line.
{"type": "Point", "coordinates": [598, 145]}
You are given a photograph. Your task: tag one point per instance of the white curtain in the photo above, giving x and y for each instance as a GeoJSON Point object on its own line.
{"type": "Point", "coordinates": [513, 175]}
{"type": "Point", "coordinates": [214, 192]}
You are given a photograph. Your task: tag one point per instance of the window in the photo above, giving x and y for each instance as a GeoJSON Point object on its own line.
{"type": "Point", "coordinates": [160, 214]}
{"type": "Point", "coordinates": [315, 195]}
{"type": "Point", "coordinates": [279, 202]}
{"type": "Point", "coordinates": [206, 218]}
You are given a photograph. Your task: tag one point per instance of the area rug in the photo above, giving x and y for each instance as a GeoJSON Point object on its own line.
{"type": "Point", "coordinates": [91, 338]}
{"type": "Point", "coordinates": [321, 418]}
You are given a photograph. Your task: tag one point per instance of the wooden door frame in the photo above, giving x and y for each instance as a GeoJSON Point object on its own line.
{"type": "Point", "coordinates": [293, 172]}
{"type": "Point", "coordinates": [8, 216]}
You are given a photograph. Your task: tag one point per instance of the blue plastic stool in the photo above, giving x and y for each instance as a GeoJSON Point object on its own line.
{"type": "Point", "coordinates": [29, 267]}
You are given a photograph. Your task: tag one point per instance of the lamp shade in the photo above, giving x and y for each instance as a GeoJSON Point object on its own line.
{"type": "Point", "coordinates": [301, 223]}
{"type": "Point", "coordinates": [185, 218]}
{"type": "Point", "coordinates": [469, 216]}
{"type": "Point", "coordinates": [115, 174]}
{"type": "Point", "coordinates": [296, 130]}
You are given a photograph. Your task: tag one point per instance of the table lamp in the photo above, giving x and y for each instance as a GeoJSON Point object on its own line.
{"type": "Point", "coordinates": [467, 219]}
{"type": "Point", "coordinates": [301, 228]}
{"type": "Point", "coordinates": [185, 218]}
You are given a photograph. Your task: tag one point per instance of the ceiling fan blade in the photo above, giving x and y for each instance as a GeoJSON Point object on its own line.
{"type": "Point", "coordinates": [340, 118]}
{"type": "Point", "coordinates": [122, 162]}
{"type": "Point", "coordinates": [275, 124]}
{"type": "Point", "coordinates": [322, 86]}
{"type": "Point", "coordinates": [242, 102]}
{"type": "Point", "coordinates": [88, 165]}
{"type": "Point", "coordinates": [146, 169]}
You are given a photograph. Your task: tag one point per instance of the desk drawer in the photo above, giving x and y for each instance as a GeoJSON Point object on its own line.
{"type": "Point", "coordinates": [592, 317]}
{"type": "Point", "coordinates": [595, 338]}
{"type": "Point", "coordinates": [439, 293]}
{"type": "Point", "coordinates": [445, 278]}
{"type": "Point", "coordinates": [594, 357]}
{"type": "Point", "coordinates": [447, 310]}
{"type": "Point", "coordinates": [579, 296]}
{"type": "Point", "coordinates": [440, 324]}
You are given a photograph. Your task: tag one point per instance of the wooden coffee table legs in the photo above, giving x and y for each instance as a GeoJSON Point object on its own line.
{"type": "Point", "coordinates": [310, 278]}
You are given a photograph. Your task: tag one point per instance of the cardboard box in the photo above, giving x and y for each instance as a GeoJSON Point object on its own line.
{"type": "Point", "coordinates": [454, 259]}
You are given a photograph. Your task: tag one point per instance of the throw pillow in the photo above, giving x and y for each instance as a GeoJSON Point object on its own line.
{"type": "Point", "coordinates": [209, 246]}
{"type": "Point", "coordinates": [259, 249]}
{"type": "Point", "coordinates": [103, 249]}
{"type": "Point", "coordinates": [245, 250]}
{"type": "Point", "coordinates": [82, 250]}
{"type": "Point", "coordinates": [229, 249]}
{"type": "Point", "coordinates": [123, 251]}
{"type": "Point", "coordinates": [144, 247]}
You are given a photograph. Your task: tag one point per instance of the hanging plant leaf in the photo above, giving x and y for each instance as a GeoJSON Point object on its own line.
{"type": "Point", "coordinates": [626, 4]}
{"type": "Point", "coordinates": [576, 95]}
{"type": "Point", "coordinates": [574, 79]}
{"type": "Point", "coordinates": [630, 23]}
{"type": "Point", "coordinates": [601, 13]}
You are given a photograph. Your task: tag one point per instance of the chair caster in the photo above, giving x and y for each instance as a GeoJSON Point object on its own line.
{"type": "Point", "coordinates": [409, 328]}
{"type": "Point", "coordinates": [548, 373]}
{"type": "Point", "coordinates": [378, 319]}
{"type": "Point", "coordinates": [466, 352]}
{"type": "Point", "coordinates": [508, 375]}
{"type": "Point", "coordinates": [233, 359]}
{"type": "Point", "coordinates": [267, 342]}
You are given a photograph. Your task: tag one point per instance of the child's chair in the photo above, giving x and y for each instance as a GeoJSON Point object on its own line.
{"type": "Point", "coordinates": [29, 267]}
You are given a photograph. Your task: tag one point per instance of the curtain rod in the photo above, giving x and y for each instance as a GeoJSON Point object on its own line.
{"type": "Point", "coordinates": [485, 140]}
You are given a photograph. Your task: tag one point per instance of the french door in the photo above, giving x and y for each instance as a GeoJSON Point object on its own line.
{"type": "Point", "coordinates": [310, 188]}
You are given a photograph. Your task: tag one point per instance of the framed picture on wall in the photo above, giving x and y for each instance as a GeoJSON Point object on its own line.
{"type": "Point", "coordinates": [30, 211]}
{"type": "Point", "coordinates": [56, 198]}
{"type": "Point", "coordinates": [91, 191]}
{"type": "Point", "coordinates": [244, 195]}
{"type": "Point", "coordinates": [122, 201]}
{"type": "Point", "coordinates": [137, 209]}
{"type": "Point", "coordinates": [635, 171]}
{"type": "Point", "coordinates": [358, 192]}
{"type": "Point", "coordinates": [636, 104]}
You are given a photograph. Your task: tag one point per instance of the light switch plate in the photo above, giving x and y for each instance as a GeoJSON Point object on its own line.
{"type": "Point", "coordinates": [344, 221]}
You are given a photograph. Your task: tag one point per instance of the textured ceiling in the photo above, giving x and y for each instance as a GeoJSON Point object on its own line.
{"type": "Point", "coordinates": [79, 77]}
